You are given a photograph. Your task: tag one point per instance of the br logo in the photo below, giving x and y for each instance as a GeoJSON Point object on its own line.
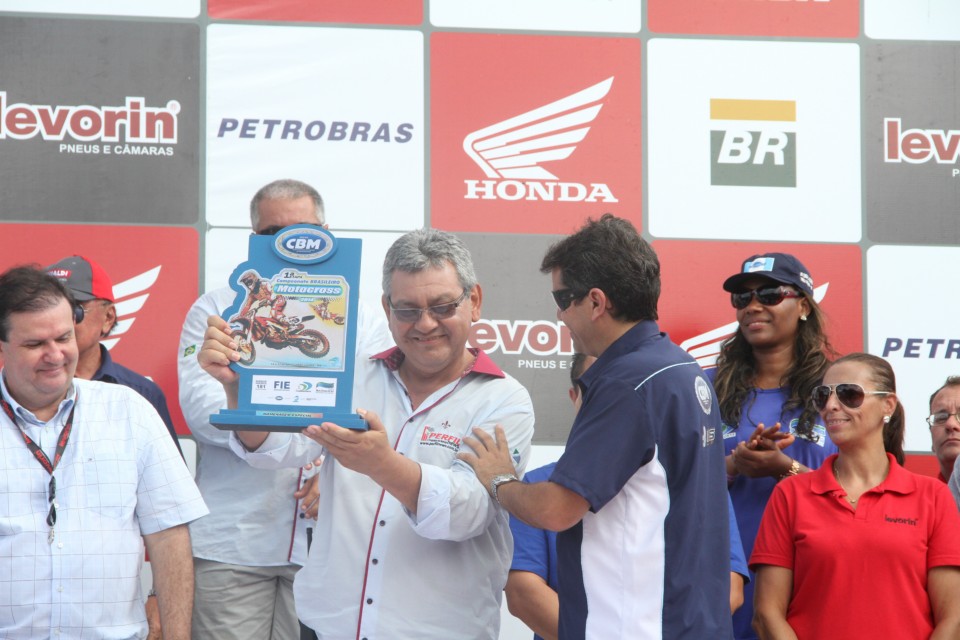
{"type": "Point", "coordinates": [756, 146]}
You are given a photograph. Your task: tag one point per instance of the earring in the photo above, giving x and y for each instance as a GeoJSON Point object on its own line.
{"type": "Point", "coordinates": [803, 318]}
{"type": "Point", "coordinates": [886, 419]}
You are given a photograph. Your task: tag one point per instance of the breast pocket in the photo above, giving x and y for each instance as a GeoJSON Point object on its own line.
{"type": "Point", "coordinates": [105, 488]}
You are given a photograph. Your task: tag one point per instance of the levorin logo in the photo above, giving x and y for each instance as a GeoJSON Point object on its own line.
{"type": "Point", "coordinates": [753, 143]}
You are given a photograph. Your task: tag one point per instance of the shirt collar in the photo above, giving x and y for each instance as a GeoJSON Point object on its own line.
{"type": "Point", "coordinates": [107, 372]}
{"type": "Point", "coordinates": [627, 343]}
{"type": "Point", "coordinates": [898, 480]}
{"type": "Point", "coordinates": [66, 405]}
{"type": "Point", "coordinates": [482, 364]}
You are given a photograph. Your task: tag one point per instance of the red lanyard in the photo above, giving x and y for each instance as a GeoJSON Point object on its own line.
{"type": "Point", "coordinates": [34, 449]}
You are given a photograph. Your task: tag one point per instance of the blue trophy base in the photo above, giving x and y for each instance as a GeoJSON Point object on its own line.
{"type": "Point", "coordinates": [288, 421]}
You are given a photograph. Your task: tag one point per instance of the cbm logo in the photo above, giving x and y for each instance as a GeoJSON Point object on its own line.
{"type": "Point", "coordinates": [757, 146]}
{"type": "Point", "coordinates": [304, 243]}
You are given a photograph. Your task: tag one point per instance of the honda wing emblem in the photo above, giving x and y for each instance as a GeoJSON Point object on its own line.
{"type": "Point", "coordinates": [516, 147]}
{"type": "Point", "coordinates": [130, 296]}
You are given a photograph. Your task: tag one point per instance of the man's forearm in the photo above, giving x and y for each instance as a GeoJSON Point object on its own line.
{"type": "Point", "coordinates": [545, 505]}
{"type": "Point", "coordinates": [171, 559]}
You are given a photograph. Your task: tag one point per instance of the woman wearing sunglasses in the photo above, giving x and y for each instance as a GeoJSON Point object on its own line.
{"type": "Point", "coordinates": [861, 548]}
{"type": "Point", "coordinates": [764, 376]}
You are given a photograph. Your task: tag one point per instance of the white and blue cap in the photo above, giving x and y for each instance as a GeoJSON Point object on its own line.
{"type": "Point", "coordinates": [779, 267]}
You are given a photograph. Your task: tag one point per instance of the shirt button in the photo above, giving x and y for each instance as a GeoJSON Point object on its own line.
{"type": "Point", "coordinates": [369, 600]}
{"type": "Point", "coordinates": [59, 545]}
{"type": "Point", "coordinates": [60, 588]}
{"type": "Point", "coordinates": [374, 561]}
{"type": "Point", "coordinates": [382, 523]}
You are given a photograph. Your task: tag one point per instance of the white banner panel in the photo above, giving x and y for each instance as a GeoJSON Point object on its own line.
{"type": "Point", "coordinates": [754, 140]}
{"type": "Point", "coordinates": [914, 20]}
{"type": "Point", "coordinates": [340, 109]}
{"type": "Point", "coordinates": [157, 8]}
{"type": "Point", "coordinates": [912, 322]}
{"type": "Point", "coordinates": [605, 16]}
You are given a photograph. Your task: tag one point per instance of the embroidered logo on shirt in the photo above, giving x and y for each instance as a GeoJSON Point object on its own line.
{"type": "Point", "coordinates": [818, 433]}
{"type": "Point", "coordinates": [910, 521]}
{"type": "Point", "coordinates": [433, 438]}
{"type": "Point", "coordinates": [189, 351]}
{"type": "Point", "coordinates": [702, 388]}
{"type": "Point", "coordinates": [708, 436]}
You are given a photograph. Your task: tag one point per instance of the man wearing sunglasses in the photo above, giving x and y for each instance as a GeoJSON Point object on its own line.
{"type": "Point", "coordinates": [258, 565]}
{"type": "Point", "coordinates": [408, 543]}
{"type": "Point", "coordinates": [944, 423]}
{"type": "Point", "coordinates": [638, 495]}
{"type": "Point", "coordinates": [90, 475]}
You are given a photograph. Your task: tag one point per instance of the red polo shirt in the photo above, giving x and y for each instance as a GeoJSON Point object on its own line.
{"type": "Point", "coordinates": [859, 573]}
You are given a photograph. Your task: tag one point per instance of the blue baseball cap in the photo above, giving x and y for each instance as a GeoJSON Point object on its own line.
{"type": "Point", "coordinates": [779, 267]}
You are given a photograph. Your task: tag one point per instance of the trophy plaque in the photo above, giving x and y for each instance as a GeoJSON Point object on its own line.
{"type": "Point", "coordinates": [295, 324]}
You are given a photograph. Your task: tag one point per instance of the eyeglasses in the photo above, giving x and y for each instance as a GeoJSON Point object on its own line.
{"type": "Point", "coordinates": [565, 297]}
{"type": "Point", "coordinates": [849, 394]}
{"type": "Point", "coordinates": [85, 309]}
{"type": "Point", "coordinates": [767, 296]}
{"type": "Point", "coordinates": [939, 419]}
{"type": "Point", "coordinates": [438, 311]}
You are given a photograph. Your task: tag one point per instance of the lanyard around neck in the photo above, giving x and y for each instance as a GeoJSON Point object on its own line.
{"type": "Point", "coordinates": [40, 456]}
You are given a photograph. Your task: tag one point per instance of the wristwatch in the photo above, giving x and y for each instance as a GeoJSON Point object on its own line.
{"type": "Point", "coordinates": [500, 479]}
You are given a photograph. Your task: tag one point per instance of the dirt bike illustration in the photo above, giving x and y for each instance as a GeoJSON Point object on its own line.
{"type": "Point", "coordinates": [248, 330]}
{"type": "Point", "coordinates": [322, 308]}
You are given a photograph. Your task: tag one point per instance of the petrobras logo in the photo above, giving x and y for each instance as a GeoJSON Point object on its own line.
{"type": "Point", "coordinates": [754, 143]}
{"type": "Point", "coordinates": [533, 338]}
{"type": "Point", "coordinates": [304, 244]}
{"type": "Point", "coordinates": [919, 146]}
{"type": "Point", "coordinates": [514, 154]}
{"type": "Point", "coordinates": [927, 348]}
{"type": "Point", "coordinates": [313, 130]}
{"type": "Point", "coordinates": [134, 124]}
{"type": "Point", "coordinates": [129, 297]}
{"type": "Point", "coordinates": [706, 347]}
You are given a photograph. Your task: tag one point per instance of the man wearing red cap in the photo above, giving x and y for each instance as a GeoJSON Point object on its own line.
{"type": "Point", "coordinates": [92, 288]}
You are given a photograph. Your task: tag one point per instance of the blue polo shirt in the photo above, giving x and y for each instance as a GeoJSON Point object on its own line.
{"type": "Point", "coordinates": [651, 558]}
{"type": "Point", "coordinates": [114, 373]}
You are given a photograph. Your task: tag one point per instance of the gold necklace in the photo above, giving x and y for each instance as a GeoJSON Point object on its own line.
{"type": "Point", "coordinates": [852, 501]}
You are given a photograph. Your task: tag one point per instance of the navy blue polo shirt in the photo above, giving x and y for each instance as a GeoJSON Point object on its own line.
{"type": "Point", "coordinates": [651, 558]}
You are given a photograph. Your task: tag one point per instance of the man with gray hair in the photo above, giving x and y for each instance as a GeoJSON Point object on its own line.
{"type": "Point", "coordinates": [408, 543]}
{"type": "Point", "coordinates": [246, 550]}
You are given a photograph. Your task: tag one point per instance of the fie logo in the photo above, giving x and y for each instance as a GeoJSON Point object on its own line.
{"type": "Point", "coordinates": [756, 146]}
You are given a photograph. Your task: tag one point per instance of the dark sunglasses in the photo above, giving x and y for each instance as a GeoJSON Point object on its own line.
{"type": "Point", "coordinates": [438, 311]}
{"type": "Point", "coordinates": [767, 296]}
{"type": "Point", "coordinates": [565, 297]}
{"type": "Point", "coordinates": [849, 394]}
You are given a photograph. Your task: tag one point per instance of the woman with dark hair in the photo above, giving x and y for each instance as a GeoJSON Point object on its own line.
{"type": "Point", "coordinates": [764, 376]}
{"type": "Point", "coordinates": [861, 548]}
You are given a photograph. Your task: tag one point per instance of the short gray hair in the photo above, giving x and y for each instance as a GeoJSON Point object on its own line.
{"type": "Point", "coordinates": [428, 248]}
{"type": "Point", "coordinates": [284, 190]}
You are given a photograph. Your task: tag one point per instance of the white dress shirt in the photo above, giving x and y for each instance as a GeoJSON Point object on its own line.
{"type": "Point", "coordinates": [375, 570]}
{"type": "Point", "coordinates": [120, 477]}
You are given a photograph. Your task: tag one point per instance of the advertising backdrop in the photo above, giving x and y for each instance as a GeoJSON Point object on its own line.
{"type": "Point", "coordinates": [137, 132]}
